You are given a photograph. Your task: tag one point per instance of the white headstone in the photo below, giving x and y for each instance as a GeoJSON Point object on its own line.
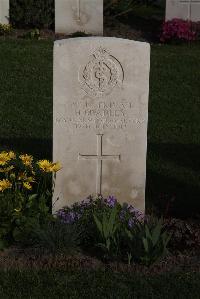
{"type": "Point", "coordinates": [183, 9]}
{"type": "Point", "coordinates": [4, 11]}
{"type": "Point", "coordinates": [79, 16]}
{"type": "Point", "coordinates": [101, 88]}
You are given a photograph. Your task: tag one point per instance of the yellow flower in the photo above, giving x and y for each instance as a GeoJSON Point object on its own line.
{"type": "Point", "coordinates": [26, 159]}
{"type": "Point", "coordinates": [4, 158]}
{"type": "Point", "coordinates": [22, 176]}
{"type": "Point", "coordinates": [27, 185]}
{"type": "Point", "coordinates": [5, 184]}
{"type": "Point", "coordinates": [56, 167]}
{"type": "Point", "coordinates": [30, 179]}
{"type": "Point", "coordinates": [7, 169]}
{"type": "Point", "coordinates": [45, 165]}
{"type": "Point", "coordinates": [17, 210]}
{"type": "Point", "coordinates": [12, 155]}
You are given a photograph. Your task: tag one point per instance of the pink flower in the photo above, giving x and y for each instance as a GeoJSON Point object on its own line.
{"type": "Point", "coordinates": [178, 29]}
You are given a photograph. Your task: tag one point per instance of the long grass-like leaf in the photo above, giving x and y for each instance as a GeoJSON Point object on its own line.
{"type": "Point", "coordinates": [145, 243]}
{"type": "Point", "coordinates": [156, 233]}
{"type": "Point", "coordinates": [98, 224]}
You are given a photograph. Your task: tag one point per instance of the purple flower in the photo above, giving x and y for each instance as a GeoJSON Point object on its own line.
{"type": "Point", "coordinates": [122, 215]}
{"type": "Point", "coordinates": [68, 217]}
{"type": "Point", "coordinates": [86, 202]}
{"type": "Point", "coordinates": [61, 213]}
{"type": "Point", "coordinates": [131, 223]}
{"type": "Point", "coordinates": [111, 201]}
{"type": "Point", "coordinates": [140, 216]}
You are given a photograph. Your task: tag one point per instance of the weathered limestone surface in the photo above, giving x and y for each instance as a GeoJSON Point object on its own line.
{"type": "Point", "coordinates": [4, 11]}
{"type": "Point", "coordinates": [79, 15]}
{"type": "Point", "coordinates": [183, 9]}
{"type": "Point", "coordinates": [101, 88]}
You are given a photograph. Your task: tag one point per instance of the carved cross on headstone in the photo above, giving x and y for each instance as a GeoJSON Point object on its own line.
{"type": "Point", "coordinates": [190, 3]}
{"type": "Point", "coordinates": [78, 10]}
{"type": "Point", "coordinates": [99, 157]}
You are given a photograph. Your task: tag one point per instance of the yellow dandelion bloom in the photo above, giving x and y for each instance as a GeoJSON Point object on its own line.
{"type": "Point", "coordinates": [4, 158]}
{"type": "Point", "coordinates": [7, 169]}
{"type": "Point", "coordinates": [12, 155]}
{"type": "Point", "coordinates": [27, 185]}
{"type": "Point", "coordinates": [45, 165]}
{"type": "Point", "coordinates": [56, 167]}
{"type": "Point", "coordinates": [5, 184]}
{"type": "Point", "coordinates": [30, 179]}
{"type": "Point", "coordinates": [22, 176]}
{"type": "Point", "coordinates": [26, 159]}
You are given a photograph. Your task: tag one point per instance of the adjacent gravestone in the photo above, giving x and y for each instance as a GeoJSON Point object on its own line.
{"type": "Point", "coordinates": [183, 9]}
{"type": "Point", "coordinates": [4, 11]}
{"type": "Point", "coordinates": [79, 16]}
{"type": "Point", "coordinates": [101, 88]}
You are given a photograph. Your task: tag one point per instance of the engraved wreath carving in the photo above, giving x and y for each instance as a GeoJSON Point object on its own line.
{"type": "Point", "coordinates": [102, 73]}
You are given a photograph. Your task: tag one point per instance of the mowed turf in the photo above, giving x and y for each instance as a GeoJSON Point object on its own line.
{"type": "Point", "coordinates": [26, 89]}
{"type": "Point", "coordinates": [92, 284]}
{"type": "Point", "coordinates": [173, 176]}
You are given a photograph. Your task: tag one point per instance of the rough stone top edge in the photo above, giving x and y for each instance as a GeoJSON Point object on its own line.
{"type": "Point", "coordinates": [79, 39]}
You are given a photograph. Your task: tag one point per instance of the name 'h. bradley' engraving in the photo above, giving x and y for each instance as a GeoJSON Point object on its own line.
{"type": "Point", "coordinates": [99, 157]}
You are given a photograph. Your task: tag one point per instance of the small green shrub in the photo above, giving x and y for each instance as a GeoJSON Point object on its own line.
{"type": "Point", "coordinates": [25, 195]}
{"type": "Point", "coordinates": [120, 232]}
{"type": "Point", "coordinates": [33, 34]}
{"type": "Point", "coordinates": [148, 242]}
{"type": "Point", "coordinates": [108, 228]}
{"type": "Point", "coordinates": [82, 214]}
{"type": "Point", "coordinates": [31, 13]}
{"type": "Point", "coordinates": [56, 237]}
{"type": "Point", "coordinates": [5, 29]}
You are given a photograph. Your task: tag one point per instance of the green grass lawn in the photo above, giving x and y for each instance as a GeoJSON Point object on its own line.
{"type": "Point", "coordinates": [26, 75]}
{"type": "Point", "coordinates": [174, 124]}
{"type": "Point", "coordinates": [54, 284]}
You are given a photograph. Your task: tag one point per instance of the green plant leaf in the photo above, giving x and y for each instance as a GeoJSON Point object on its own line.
{"type": "Point", "coordinates": [108, 243]}
{"type": "Point", "coordinates": [105, 226]}
{"type": "Point", "coordinates": [156, 233]}
{"type": "Point", "coordinates": [98, 224]}
{"type": "Point", "coordinates": [32, 197]}
{"type": "Point", "coordinates": [147, 231]}
{"type": "Point", "coordinates": [112, 219]}
{"type": "Point", "coordinates": [145, 243]}
{"type": "Point", "coordinates": [165, 239]}
{"type": "Point", "coordinates": [2, 245]}
{"type": "Point", "coordinates": [129, 234]}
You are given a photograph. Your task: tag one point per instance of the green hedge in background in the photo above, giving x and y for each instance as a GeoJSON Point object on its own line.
{"type": "Point", "coordinates": [32, 13]}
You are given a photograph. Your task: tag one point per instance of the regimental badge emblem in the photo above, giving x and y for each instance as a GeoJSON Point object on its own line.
{"type": "Point", "coordinates": [101, 74]}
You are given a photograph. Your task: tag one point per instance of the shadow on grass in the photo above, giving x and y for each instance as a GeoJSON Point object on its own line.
{"type": "Point", "coordinates": [183, 155]}
{"type": "Point", "coordinates": [173, 178]}
{"type": "Point", "coordinates": [172, 197]}
{"type": "Point", "coordinates": [39, 148]}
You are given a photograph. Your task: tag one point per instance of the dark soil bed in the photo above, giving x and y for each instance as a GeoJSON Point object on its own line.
{"type": "Point", "coordinates": [16, 258]}
{"type": "Point", "coordinates": [124, 28]}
